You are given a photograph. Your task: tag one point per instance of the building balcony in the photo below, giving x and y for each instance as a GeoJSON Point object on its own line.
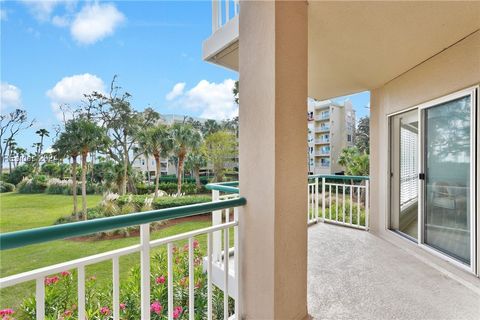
{"type": "Point", "coordinates": [322, 117]}
{"type": "Point", "coordinates": [322, 141]}
{"type": "Point", "coordinates": [320, 153]}
{"type": "Point", "coordinates": [221, 47]}
{"type": "Point", "coordinates": [322, 129]}
{"type": "Point", "coordinates": [352, 273]}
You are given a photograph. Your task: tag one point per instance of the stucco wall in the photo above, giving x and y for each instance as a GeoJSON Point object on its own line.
{"type": "Point", "coordinates": [453, 69]}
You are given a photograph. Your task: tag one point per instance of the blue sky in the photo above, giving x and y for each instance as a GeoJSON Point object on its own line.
{"type": "Point", "coordinates": [50, 53]}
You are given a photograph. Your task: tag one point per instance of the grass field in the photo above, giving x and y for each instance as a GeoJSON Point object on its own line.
{"type": "Point", "coordinates": [21, 211]}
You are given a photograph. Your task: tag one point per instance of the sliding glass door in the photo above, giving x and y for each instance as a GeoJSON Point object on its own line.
{"type": "Point", "coordinates": [432, 176]}
{"type": "Point", "coordinates": [448, 167]}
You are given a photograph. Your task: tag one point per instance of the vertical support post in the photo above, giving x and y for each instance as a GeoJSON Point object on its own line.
{"type": "Point", "coordinates": [170, 280]}
{"type": "Point", "coordinates": [217, 235]}
{"type": "Point", "coordinates": [145, 270]}
{"type": "Point", "coordinates": [367, 202]}
{"type": "Point", "coordinates": [236, 244]}
{"type": "Point", "coordinates": [323, 199]}
{"type": "Point", "coordinates": [227, 10]}
{"type": "Point", "coordinates": [116, 288]}
{"type": "Point", "coordinates": [316, 199]}
{"type": "Point", "coordinates": [191, 281]}
{"type": "Point", "coordinates": [209, 276]}
{"type": "Point", "coordinates": [40, 299]}
{"type": "Point", "coordinates": [226, 257]}
{"type": "Point", "coordinates": [81, 292]}
{"type": "Point", "coordinates": [214, 15]}
{"type": "Point", "coordinates": [343, 203]}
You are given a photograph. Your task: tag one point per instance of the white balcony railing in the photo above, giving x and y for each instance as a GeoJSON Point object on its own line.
{"type": "Point", "coordinates": [322, 141]}
{"type": "Point", "coordinates": [322, 128]}
{"type": "Point", "coordinates": [341, 200]}
{"type": "Point", "coordinates": [218, 236]}
{"type": "Point", "coordinates": [222, 12]}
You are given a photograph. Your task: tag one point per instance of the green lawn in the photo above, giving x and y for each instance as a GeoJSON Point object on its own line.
{"type": "Point", "coordinates": [20, 211]}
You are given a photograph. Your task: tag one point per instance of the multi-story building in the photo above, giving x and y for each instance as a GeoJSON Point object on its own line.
{"type": "Point", "coordinates": [331, 128]}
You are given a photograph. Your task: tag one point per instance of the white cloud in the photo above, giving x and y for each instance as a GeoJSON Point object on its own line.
{"type": "Point", "coordinates": [42, 10]}
{"type": "Point", "coordinates": [71, 89]}
{"type": "Point", "coordinates": [212, 100]}
{"type": "Point", "coordinates": [60, 21]}
{"type": "Point", "coordinates": [176, 91]}
{"type": "Point", "coordinates": [94, 22]}
{"type": "Point", "coordinates": [11, 96]}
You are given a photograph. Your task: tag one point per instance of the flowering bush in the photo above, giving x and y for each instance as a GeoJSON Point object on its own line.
{"type": "Point", "coordinates": [61, 294]}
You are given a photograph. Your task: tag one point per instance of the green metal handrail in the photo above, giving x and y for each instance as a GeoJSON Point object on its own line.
{"type": "Point", "coordinates": [38, 235]}
{"type": "Point", "coordinates": [228, 187]}
{"type": "Point", "coordinates": [338, 177]}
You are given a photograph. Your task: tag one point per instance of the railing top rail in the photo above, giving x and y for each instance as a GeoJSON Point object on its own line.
{"type": "Point", "coordinates": [338, 177]}
{"type": "Point", "coordinates": [228, 187]}
{"type": "Point", "coordinates": [44, 234]}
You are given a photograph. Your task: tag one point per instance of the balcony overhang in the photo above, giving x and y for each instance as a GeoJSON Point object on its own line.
{"type": "Point", "coordinates": [221, 47]}
{"type": "Point", "coordinates": [358, 46]}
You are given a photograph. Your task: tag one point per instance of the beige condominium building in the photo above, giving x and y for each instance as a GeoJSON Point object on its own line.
{"type": "Point", "coordinates": [331, 128]}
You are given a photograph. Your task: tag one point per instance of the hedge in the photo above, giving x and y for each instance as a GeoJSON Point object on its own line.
{"type": "Point", "coordinates": [6, 187]}
{"type": "Point", "coordinates": [163, 202]}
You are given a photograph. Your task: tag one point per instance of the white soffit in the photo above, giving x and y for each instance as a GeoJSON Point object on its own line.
{"type": "Point", "coordinates": [357, 46]}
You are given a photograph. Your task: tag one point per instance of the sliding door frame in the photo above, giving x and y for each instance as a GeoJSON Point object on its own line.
{"type": "Point", "coordinates": [473, 92]}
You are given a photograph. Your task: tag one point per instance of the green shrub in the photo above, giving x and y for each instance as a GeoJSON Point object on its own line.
{"type": "Point", "coordinates": [169, 188]}
{"type": "Point", "coordinates": [58, 186]}
{"type": "Point", "coordinates": [6, 187]}
{"type": "Point", "coordinates": [19, 173]}
{"type": "Point", "coordinates": [163, 202]}
{"type": "Point", "coordinates": [129, 207]}
{"type": "Point", "coordinates": [37, 184]}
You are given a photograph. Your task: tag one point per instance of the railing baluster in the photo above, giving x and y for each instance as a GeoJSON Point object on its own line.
{"type": "Point", "coordinates": [336, 202]}
{"type": "Point", "coordinates": [81, 292]}
{"type": "Point", "coordinates": [209, 276]}
{"type": "Point", "coordinates": [227, 10]}
{"type": "Point", "coordinates": [316, 200]}
{"type": "Point", "coordinates": [323, 198]}
{"type": "Point", "coordinates": [330, 201]}
{"type": "Point", "coordinates": [226, 256]}
{"type": "Point", "coordinates": [351, 202]}
{"type": "Point", "coordinates": [116, 288]}
{"type": "Point", "coordinates": [358, 205]}
{"type": "Point", "coordinates": [145, 270]}
{"type": "Point", "coordinates": [343, 203]}
{"type": "Point", "coordinates": [236, 247]}
{"type": "Point", "coordinates": [40, 299]}
{"type": "Point", "coordinates": [191, 281]}
{"type": "Point", "coordinates": [170, 280]}
{"type": "Point", "coordinates": [217, 235]}
{"type": "Point", "coordinates": [367, 203]}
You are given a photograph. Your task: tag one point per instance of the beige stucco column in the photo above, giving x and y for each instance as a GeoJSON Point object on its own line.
{"type": "Point", "coordinates": [273, 159]}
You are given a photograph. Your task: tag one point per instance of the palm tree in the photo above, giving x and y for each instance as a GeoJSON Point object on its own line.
{"type": "Point", "coordinates": [157, 142]}
{"type": "Point", "coordinates": [91, 138]}
{"type": "Point", "coordinates": [20, 152]}
{"type": "Point", "coordinates": [42, 133]}
{"type": "Point", "coordinates": [185, 138]}
{"type": "Point", "coordinates": [195, 161]}
{"type": "Point", "coordinates": [66, 146]}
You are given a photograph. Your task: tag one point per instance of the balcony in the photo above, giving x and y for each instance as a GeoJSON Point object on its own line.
{"type": "Point", "coordinates": [322, 117]}
{"type": "Point", "coordinates": [322, 129]}
{"type": "Point", "coordinates": [322, 153]}
{"type": "Point", "coordinates": [221, 47]}
{"type": "Point", "coordinates": [351, 273]}
{"type": "Point", "coordinates": [322, 141]}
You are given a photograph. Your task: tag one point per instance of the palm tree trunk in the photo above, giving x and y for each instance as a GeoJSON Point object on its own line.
{"type": "Point", "coordinates": [196, 173]}
{"type": "Point", "coordinates": [74, 186]}
{"type": "Point", "coordinates": [148, 170]}
{"type": "Point", "coordinates": [181, 158]}
{"type": "Point", "coordinates": [125, 167]}
{"type": "Point", "coordinates": [84, 185]}
{"type": "Point", "coordinates": [157, 176]}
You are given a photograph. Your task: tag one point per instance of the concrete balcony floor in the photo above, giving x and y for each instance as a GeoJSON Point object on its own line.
{"type": "Point", "coordinates": [353, 274]}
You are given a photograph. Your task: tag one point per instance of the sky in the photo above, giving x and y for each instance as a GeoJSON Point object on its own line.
{"type": "Point", "coordinates": [54, 51]}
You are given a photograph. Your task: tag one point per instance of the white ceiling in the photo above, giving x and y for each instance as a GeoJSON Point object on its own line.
{"type": "Point", "coordinates": [357, 46]}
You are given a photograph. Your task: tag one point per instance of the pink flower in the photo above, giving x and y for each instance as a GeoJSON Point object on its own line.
{"type": "Point", "coordinates": [177, 311]}
{"type": "Point", "coordinates": [65, 273]}
{"type": "Point", "coordinates": [6, 312]}
{"type": "Point", "coordinates": [105, 311]}
{"type": "Point", "coordinates": [185, 247]}
{"type": "Point", "coordinates": [52, 280]}
{"type": "Point", "coordinates": [183, 282]}
{"type": "Point", "coordinates": [196, 244]}
{"type": "Point", "coordinates": [156, 307]}
{"type": "Point", "coordinates": [123, 306]}
{"type": "Point", "coordinates": [68, 313]}
{"type": "Point", "coordinates": [160, 280]}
